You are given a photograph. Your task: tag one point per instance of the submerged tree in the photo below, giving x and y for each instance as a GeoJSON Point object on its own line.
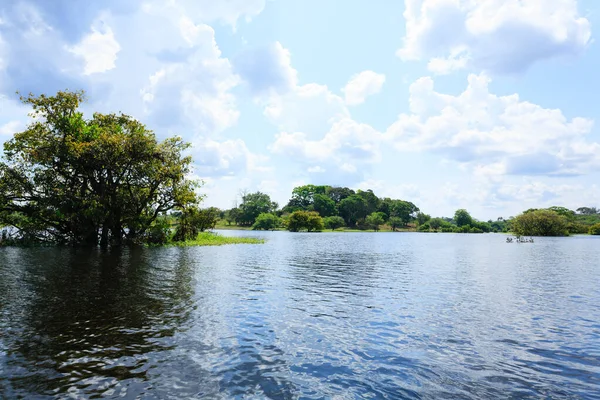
{"type": "Point", "coordinates": [540, 223]}
{"type": "Point", "coordinates": [68, 179]}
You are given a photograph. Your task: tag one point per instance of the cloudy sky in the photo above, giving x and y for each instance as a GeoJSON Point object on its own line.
{"type": "Point", "coordinates": [485, 105]}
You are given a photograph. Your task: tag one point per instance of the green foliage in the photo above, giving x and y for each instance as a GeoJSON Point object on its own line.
{"type": "Point", "coordinates": [374, 220]}
{"type": "Point", "coordinates": [324, 205]}
{"type": "Point", "coordinates": [462, 218]}
{"type": "Point", "coordinates": [191, 221]}
{"type": "Point", "coordinates": [303, 197]}
{"type": "Point", "coordinates": [67, 179]}
{"type": "Point", "coordinates": [424, 227]}
{"type": "Point", "coordinates": [540, 223]}
{"type": "Point", "coordinates": [588, 210]}
{"type": "Point", "coordinates": [231, 215]}
{"type": "Point", "coordinates": [267, 222]}
{"type": "Point", "coordinates": [371, 200]}
{"type": "Point", "coordinates": [254, 204]}
{"type": "Point", "coordinates": [594, 229]}
{"type": "Point", "coordinates": [422, 218]}
{"type": "Point", "coordinates": [337, 194]}
{"type": "Point", "coordinates": [438, 223]}
{"type": "Point", "coordinates": [565, 212]}
{"type": "Point", "coordinates": [333, 222]}
{"type": "Point", "coordinates": [395, 223]}
{"type": "Point", "coordinates": [305, 220]}
{"type": "Point", "coordinates": [160, 231]}
{"type": "Point", "coordinates": [574, 227]}
{"type": "Point", "coordinates": [462, 229]}
{"type": "Point", "coordinates": [214, 239]}
{"type": "Point", "coordinates": [481, 226]}
{"type": "Point", "coordinates": [405, 210]}
{"type": "Point", "coordinates": [352, 209]}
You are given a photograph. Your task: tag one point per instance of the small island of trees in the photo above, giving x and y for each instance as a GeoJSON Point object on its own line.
{"type": "Point", "coordinates": [100, 181]}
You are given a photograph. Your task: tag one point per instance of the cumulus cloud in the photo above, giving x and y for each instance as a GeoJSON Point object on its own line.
{"type": "Point", "coordinates": [500, 36]}
{"type": "Point", "coordinates": [99, 49]}
{"type": "Point", "coordinates": [497, 134]}
{"type": "Point", "coordinates": [362, 85]}
{"type": "Point", "coordinates": [309, 108]}
{"type": "Point", "coordinates": [215, 159]}
{"type": "Point", "coordinates": [174, 78]}
{"type": "Point", "coordinates": [266, 70]}
{"type": "Point", "coordinates": [342, 155]}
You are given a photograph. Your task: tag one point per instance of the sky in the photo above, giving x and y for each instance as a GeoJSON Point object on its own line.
{"type": "Point", "coordinates": [485, 105]}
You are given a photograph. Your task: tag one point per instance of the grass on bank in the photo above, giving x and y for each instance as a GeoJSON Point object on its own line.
{"type": "Point", "coordinates": [214, 239]}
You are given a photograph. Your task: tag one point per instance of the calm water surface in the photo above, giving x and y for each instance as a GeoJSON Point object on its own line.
{"type": "Point", "coordinates": [330, 315]}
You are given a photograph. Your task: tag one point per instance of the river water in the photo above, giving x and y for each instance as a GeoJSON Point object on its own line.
{"type": "Point", "coordinates": [327, 315]}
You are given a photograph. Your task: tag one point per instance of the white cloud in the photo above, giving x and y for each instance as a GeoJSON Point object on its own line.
{"type": "Point", "coordinates": [99, 49]}
{"type": "Point", "coordinates": [310, 108]}
{"type": "Point", "coordinates": [362, 85]}
{"type": "Point", "coordinates": [501, 36]}
{"type": "Point", "coordinates": [267, 70]}
{"type": "Point", "coordinates": [345, 152]}
{"type": "Point", "coordinates": [10, 128]}
{"type": "Point", "coordinates": [225, 158]}
{"type": "Point", "coordinates": [195, 90]}
{"type": "Point", "coordinates": [497, 134]}
{"type": "Point", "coordinates": [226, 11]}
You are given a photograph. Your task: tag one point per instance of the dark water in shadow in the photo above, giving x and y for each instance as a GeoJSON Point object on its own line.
{"type": "Point", "coordinates": [331, 315]}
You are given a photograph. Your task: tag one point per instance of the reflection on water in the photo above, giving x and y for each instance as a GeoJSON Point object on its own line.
{"type": "Point", "coordinates": [366, 315]}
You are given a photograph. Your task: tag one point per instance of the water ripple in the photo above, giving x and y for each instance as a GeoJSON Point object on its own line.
{"type": "Point", "coordinates": [311, 316]}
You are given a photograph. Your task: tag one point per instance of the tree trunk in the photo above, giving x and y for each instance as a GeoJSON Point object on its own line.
{"type": "Point", "coordinates": [104, 236]}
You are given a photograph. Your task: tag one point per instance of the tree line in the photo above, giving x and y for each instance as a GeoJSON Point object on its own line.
{"type": "Point", "coordinates": [315, 208]}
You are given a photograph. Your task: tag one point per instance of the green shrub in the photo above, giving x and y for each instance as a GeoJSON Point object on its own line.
{"type": "Point", "coordinates": [474, 229]}
{"type": "Point", "coordinates": [424, 227]}
{"type": "Point", "coordinates": [462, 229]}
{"type": "Point", "coordinates": [374, 220]}
{"type": "Point", "coordinates": [159, 232]}
{"type": "Point", "coordinates": [595, 229]}
{"type": "Point", "coordinates": [266, 221]}
{"type": "Point", "coordinates": [577, 228]}
{"type": "Point", "coordinates": [333, 222]}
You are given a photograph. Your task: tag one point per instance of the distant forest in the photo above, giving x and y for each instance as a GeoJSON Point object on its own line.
{"type": "Point", "coordinates": [315, 208]}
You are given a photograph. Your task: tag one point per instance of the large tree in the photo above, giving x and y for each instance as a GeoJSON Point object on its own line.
{"type": "Point", "coordinates": [254, 204]}
{"type": "Point", "coordinates": [540, 223]}
{"type": "Point", "coordinates": [353, 208]}
{"type": "Point", "coordinates": [69, 179]}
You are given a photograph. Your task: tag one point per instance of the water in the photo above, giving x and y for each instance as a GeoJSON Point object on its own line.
{"type": "Point", "coordinates": [330, 315]}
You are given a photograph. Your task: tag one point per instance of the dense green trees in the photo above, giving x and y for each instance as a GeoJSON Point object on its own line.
{"type": "Point", "coordinates": [363, 209]}
{"type": "Point", "coordinates": [334, 222]}
{"type": "Point", "coordinates": [254, 204]}
{"type": "Point", "coordinates": [375, 220]}
{"type": "Point", "coordinates": [305, 220]}
{"type": "Point", "coordinates": [353, 208]}
{"type": "Point", "coordinates": [266, 222]}
{"type": "Point", "coordinates": [324, 205]}
{"type": "Point", "coordinates": [462, 217]}
{"type": "Point", "coordinates": [69, 179]}
{"type": "Point", "coordinates": [540, 223]}
{"type": "Point", "coordinates": [595, 229]}
{"type": "Point", "coordinates": [422, 218]}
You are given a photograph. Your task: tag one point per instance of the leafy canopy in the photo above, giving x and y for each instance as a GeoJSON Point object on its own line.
{"type": "Point", "coordinates": [69, 179]}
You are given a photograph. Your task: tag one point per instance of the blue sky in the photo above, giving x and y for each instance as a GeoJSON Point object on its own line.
{"type": "Point", "coordinates": [489, 106]}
